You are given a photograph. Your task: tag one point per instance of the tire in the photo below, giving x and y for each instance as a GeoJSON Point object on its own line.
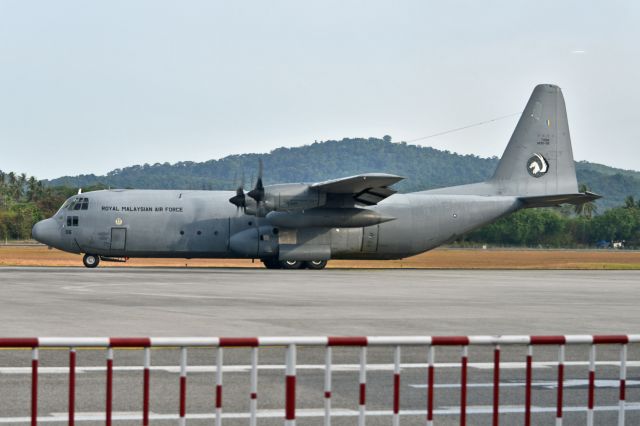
{"type": "Point", "coordinates": [290, 264]}
{"type": "Point", "coordinates": [271, 263]}
{"type": "Point", "coordinates": [315, 264]}
{"type": "Point", "coordinates": [91, 260]}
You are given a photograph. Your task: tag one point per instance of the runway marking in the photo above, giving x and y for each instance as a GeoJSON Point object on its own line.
{"type": "Point", "coordinates": [309, 413]}
{"type": "Point", "coordinates": [337, 367]}
{"type": "Point", "coordinates": [89, 288]}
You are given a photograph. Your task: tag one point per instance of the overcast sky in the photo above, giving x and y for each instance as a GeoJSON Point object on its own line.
{"type": "Point", "coordinates": [86, 87]}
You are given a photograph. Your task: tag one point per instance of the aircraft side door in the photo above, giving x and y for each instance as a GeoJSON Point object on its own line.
{"type": "Point", "coordinates": [118, 239]}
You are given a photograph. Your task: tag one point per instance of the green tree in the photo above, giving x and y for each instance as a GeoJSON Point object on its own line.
{"type": "Point", "coordinates": [588, 209]}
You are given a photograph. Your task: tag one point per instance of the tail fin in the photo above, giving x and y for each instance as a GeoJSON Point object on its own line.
{"type": "Point", "coordinates": [538, 160]}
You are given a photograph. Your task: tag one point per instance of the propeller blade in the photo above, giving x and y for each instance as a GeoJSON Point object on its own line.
{"type": "Point", "coordinates": [257, 193]}
{"type": "Point", "coordinates": [239, 200]}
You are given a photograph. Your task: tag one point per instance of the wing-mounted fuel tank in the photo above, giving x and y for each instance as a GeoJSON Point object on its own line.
{"type": "Point", "coordinates": [326, 218]}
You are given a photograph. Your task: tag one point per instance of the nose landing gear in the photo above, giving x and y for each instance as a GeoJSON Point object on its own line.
{"type": "Point", "coordinates": [91, 260]}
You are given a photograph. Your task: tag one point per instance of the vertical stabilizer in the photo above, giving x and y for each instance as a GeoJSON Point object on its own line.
{"type": "Point", "coordinates": [539, 160]}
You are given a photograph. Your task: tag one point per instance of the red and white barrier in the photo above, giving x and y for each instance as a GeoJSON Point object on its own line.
{"type": "Point", "coordinates": [292, 343]}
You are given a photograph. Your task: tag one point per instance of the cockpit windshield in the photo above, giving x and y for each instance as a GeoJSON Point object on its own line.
{"type": "Point", "coordinates": [79, 203]}
{"type": "Point", "coordinates": [75, 203]}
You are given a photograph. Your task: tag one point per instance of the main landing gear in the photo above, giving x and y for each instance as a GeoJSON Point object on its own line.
{"type": "Point", "coordinates": [91, 260]}
{"type": "Point", "coordinates": [294, 264]}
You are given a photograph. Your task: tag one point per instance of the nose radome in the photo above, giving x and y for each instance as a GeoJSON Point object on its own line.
{"type": "Point", "coordinates": [45, 232]}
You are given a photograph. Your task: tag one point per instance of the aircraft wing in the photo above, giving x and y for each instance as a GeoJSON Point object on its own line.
{"type": "Point", "coordinates": [368, 188]}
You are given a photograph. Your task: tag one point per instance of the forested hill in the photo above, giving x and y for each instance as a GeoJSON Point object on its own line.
{"type": "Point", "coordinates": [424, 167]}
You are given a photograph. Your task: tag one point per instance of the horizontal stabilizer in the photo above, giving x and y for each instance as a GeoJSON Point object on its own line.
{"type": "Point", "coordinates": [556, 200]}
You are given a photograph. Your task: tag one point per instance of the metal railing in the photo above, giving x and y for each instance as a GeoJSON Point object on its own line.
{"type": "Point", "coordinates": [430, 344]}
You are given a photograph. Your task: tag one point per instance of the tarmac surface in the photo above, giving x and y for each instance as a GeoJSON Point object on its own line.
{"type": "Point", "coordinates": [77, 302]}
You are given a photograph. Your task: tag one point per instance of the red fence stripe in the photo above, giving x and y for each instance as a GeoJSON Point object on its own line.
{"type": "Point", "coordinates": [592, 387]}
{"type": "Point", "coordinates": [239, 342]}
{"type": "Point", "coordinates": [560, 390]}
{"type": "Point", "coordinates": [622, 390]}
{"type": "Point", "coordinates": [34, 389]}
{"type": "Point", "coordinates": [496, 385]}
{"type": "Point", "coordinates": [72, 386]}
{"type": "Point", "coordinates": [430, 380]}
{"type": "Point", "coordinates": [363, 394]}
{"type": "Point", "coordinates": [109, 406]}
{"type": "Point", "coordinates": [449, 340]}
{"type": "Point", "coordinates": [347, 341]}
{"type": "Point", "coordinates": [396, 393]}
{"type": "Point", "coordinates": [463, 391]}
{"type": "Point", "coordinates": [219, 396]}
{"type": "Point", "coordinates": [610, 340]}
{"type": "Point", "coordinates": [183, 396]}
{"type": "Point", "coordinates": [145, 397]}
{"type": "Point", "coordinates": [129, 342]}
{"type": "Point", "coordinates": [290, 398]}
{"type": "Point", "coordinates": [527, 398]}
{"type": "Point", "coordinates": [548, 340]}
{"type": "Point", "coordinates": [327, 395]}
{"type": "Point", "coordinates": [19, 342]}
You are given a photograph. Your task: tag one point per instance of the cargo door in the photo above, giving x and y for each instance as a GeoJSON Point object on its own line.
{"type": "Point", "coordinates": [118, 239]}
{"type": "Point", "coordinates": [370, 239]}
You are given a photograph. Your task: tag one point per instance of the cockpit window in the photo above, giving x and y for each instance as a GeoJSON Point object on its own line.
{"type": "Point", "coordinates": [79, 203]}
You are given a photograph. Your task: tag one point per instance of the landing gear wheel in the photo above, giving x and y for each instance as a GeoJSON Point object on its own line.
{"type": "Point", "coordinates": [290, 264]}
{"type": "Point", "coordinates": [90, 260]}
{"type": "Point", "coordinates": [315, 264]}
{"type": "Point", "coordinates": [271, 263]}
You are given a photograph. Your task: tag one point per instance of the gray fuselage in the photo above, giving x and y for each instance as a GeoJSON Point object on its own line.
{"type": "Point", "coordinates": [203, 224]}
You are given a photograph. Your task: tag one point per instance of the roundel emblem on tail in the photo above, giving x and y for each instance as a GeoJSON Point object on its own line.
{"type": "Point", "coordinates": [537, 166]}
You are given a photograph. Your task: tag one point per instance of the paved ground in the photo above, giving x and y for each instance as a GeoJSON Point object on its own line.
{"type": "Point", "coordinates": [245, 302]}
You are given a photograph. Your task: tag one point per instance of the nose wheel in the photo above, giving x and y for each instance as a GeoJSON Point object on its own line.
{"type": "Point", "coordinates": [91, 260]}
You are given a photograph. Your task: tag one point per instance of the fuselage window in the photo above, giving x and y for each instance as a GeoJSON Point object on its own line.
{"type": "Point", "coordinates": [85, 204]}
{"type": "Point", "coordinates": [72, 220]}
{"type": "Point", "coordinates": [75, 221]}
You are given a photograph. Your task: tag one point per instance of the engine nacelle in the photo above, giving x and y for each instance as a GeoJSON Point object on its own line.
{"type": "Point", "coordinates": [293, 197]}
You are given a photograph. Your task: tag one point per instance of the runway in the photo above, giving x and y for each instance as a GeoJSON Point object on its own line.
{"type": "Point", "coordinates": [241, 302]}
{"type": "Point", "coordinates": [250, 302]}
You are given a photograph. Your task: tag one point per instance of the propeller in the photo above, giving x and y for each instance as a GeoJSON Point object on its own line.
{"type": "Point", "coordinates": [239, 200]}
{"type": "Point", "coordinates": [257, 193]}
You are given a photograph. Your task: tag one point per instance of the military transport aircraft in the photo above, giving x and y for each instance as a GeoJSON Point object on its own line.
{"type": "Point", "coordinates": [303, 225]}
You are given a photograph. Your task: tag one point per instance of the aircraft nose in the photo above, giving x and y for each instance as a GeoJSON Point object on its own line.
{"type": "Point", "coordinates": [46, 232]}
